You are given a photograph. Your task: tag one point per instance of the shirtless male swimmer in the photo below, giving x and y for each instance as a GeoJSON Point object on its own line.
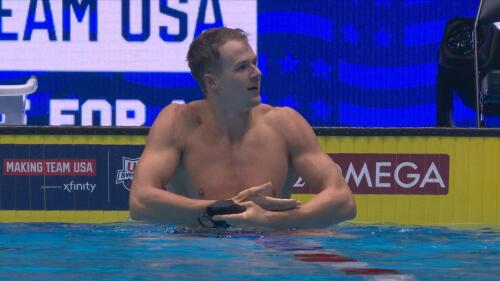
{"type": "Point", "coordinates": [229, 146]}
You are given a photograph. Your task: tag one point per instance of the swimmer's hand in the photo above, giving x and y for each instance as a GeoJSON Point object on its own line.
{"type": "Point", "coordinates": [257, 195]}
{"type": "Point", "coordinates": [254, 218]}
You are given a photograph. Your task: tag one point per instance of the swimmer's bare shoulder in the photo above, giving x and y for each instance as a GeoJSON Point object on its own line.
{"type": "Point", "coordinates": [173, 125]}
{"type": "Point", "coordinates": [289, 123]}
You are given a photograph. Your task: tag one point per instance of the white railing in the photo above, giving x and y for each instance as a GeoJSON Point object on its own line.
{"type": "Point", "coordinates": [13, 102]}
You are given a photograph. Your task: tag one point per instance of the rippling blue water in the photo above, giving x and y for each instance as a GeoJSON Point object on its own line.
{"type": "Point", "coordinates": [133, 251]}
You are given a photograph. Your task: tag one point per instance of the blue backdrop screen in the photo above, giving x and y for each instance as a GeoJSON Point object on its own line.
{"type": "Point", "coordinates": [339, 63]}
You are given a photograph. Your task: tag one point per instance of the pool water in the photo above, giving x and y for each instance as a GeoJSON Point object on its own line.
{"type": "Point", "coordinates": [135, 251]}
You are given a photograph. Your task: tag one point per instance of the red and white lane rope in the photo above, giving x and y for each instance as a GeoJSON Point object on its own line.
{"type": "Point", "coordinates": [312, 253]}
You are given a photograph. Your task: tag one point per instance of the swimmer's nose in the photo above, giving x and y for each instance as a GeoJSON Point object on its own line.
{"type": "Point", "coordinates": [256, 74]}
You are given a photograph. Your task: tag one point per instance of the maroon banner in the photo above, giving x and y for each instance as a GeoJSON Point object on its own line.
{"type": "Point", "coordinates": [390, 173]}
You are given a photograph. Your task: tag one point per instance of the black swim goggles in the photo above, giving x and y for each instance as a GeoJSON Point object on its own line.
{"type": "Point", "coordinates": [221, 207]}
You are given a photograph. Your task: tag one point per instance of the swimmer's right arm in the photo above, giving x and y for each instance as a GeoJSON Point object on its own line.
{"type": "Point", "coordinates": [148, 200]}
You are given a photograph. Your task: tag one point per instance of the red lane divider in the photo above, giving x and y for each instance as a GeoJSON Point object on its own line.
{"type": "Point", "coordinates": [311, 252]}
{"type": "Point", "coordinates": [369, 271]}
{"type": "Point", "coordinates": [315, 253]}
{"type": "Point", "coordinates": [321, 257]}
{"type": "Point", "coordinates": [327, 257]}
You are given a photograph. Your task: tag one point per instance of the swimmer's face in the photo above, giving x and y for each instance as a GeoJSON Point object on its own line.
{"type": "Point", "coordinates": [238, 82]}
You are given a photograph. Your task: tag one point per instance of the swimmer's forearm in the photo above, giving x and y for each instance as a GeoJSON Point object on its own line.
{"type": "Point", "coordinates": [156, 205]}
{"type": "Point", "coordinates": [325, 209]}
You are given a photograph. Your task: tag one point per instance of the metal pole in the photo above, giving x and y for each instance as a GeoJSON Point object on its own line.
{"type": "Point", "coordinates": [479, 106]}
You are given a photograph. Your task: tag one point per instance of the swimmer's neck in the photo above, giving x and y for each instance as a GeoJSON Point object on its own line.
{"type": "Point", "coordinates": [229, 121]}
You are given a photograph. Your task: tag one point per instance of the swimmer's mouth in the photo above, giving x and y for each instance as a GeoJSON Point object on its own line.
{"type": "Point", "coordinates": [253, 88]}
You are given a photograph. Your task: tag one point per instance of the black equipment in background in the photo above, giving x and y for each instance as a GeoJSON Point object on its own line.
{"type": "Point", "coordinates": [469, 64]}
{"type": "Point", "coordinates": [455, 69]}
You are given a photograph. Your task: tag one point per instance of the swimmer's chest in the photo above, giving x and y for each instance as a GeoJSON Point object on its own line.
{"type": "Point", "coordinates": [217, 168]}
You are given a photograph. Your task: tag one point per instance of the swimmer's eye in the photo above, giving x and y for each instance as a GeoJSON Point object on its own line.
{"type": "Point", "coordinates": [246, 65]}
{"type": "Point", "coordinates": [242, 67]}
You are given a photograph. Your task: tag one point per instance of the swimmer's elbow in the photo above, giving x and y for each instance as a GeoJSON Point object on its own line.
{"type": "Point", "coordinates": [134, 212]}
{"type": "Point", "coordinates": [350, 208]}
{"type": "Point", "coordinates": [137, 210]}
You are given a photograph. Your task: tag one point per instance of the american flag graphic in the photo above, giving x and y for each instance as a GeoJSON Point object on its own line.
{"type": "Point", "coordinates": [339, 63]}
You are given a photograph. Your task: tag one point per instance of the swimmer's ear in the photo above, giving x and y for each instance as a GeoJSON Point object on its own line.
{"type": "Point", "coordinates": [210, 81]}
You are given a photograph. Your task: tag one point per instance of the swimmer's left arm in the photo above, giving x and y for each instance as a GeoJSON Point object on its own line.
{"type": "Point", "coordinates": [335, 202]}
